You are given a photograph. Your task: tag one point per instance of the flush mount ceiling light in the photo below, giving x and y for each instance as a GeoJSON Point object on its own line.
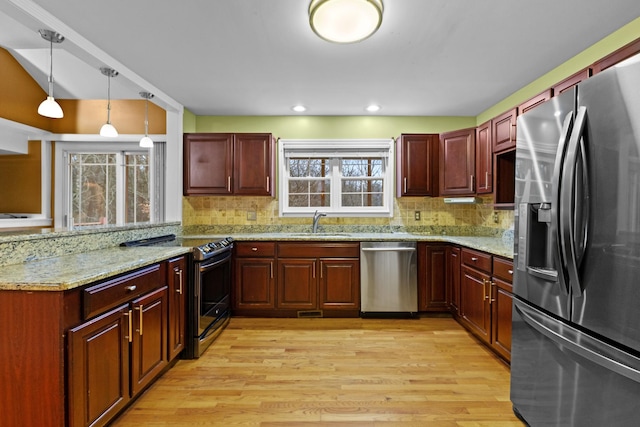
{"type": "Point", "coordinates": [146, 142]}
{"type": "Point", "coordinates": [373, 108]}
{"type": "Point", "coordinates": [49, 107]}
{"type": "Point", "coordinates": [107, 129]}
{"type": "Point", "coordinates": [299, 108]}
{"type": "Point", "coordinates": [345, 21]}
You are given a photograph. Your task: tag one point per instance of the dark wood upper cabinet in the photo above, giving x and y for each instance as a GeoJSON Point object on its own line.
{"type": "Point", "coordinates": [503, 131]}
{"type": "Point", "coordinates": [535, 101]}
{"type": "Point", "coordinates": [208, 163]}
{"type": "Point", "coordinates": [619, 55]}
{"type": "Point", "coordinates": [229, 164]}
{"type": "Point", "coordinates": [571, 81]}
{"type": "Point", "coordinates": [484, 159]}
{"type": "Point", "coordinates": [417, 165]}
{"type": "Point", "coordinates": [253, 164]}
{"type": "Point", "coordinates": [458, 162]}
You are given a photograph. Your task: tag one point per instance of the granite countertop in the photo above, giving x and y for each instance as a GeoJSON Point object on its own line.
{"type": "Point", "coordinates": [70, 271]}
{"type": "Point", "coordinates": [65, 272]}
{"type": "Point", "coordinates": [492, 245]}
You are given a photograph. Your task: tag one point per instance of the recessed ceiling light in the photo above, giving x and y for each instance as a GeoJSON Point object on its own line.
{"type": "Point", "coordinates": [373, 108]}
{"type": "Point", "coordinates": [299, 108]}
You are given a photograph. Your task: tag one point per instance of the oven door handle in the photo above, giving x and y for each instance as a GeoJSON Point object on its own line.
{"type": "Point", "coordinates": [204, 266]}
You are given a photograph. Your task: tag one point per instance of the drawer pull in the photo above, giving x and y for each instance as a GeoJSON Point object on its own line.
{"type": "Point", "coordinates": [131, 288]}
{"type": "Point", "coordinates": [254, 249]}
{"type": "Point", "coordinates": [474, 259]}
{"type": "Point", "coordinates": [510, 271]}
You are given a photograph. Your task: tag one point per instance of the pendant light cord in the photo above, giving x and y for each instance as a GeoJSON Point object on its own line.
{"type": "Point", "coordinates": [51, 67]}
{"type": "Point", "coordinates": [109, 99]}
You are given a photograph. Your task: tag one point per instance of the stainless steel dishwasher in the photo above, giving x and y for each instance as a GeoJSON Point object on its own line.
{"type": "Point", "coordinates": [388, 279]}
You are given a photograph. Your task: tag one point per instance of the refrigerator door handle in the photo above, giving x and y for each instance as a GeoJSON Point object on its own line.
{"type": "Point", "coordinates": [579, 343]}
{"type": "Point", "coordinates": [565, 135]}
{"type": "Point", "coordinates": [568, 206]}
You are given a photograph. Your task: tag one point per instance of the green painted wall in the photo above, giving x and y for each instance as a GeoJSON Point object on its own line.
{"type": "Point", "coordinates": [308, 127]}
{"type": "Point", "coordinates": [587, 57]}
{"type": "Point", "coordinates": [392, 126]}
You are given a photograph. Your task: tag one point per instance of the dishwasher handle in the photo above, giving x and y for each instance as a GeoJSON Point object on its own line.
{"type": "Point", "coordinates": [388, 249]}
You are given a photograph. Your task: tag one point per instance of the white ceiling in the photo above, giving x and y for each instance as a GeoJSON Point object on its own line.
{"type": "Point", "coordinates": [259, 57]}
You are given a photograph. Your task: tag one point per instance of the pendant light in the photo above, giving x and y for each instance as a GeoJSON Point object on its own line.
{"type": "Point", "coordinates": [49, 107]}
{"type": "Point", "coordinates": [345, 21]}
{"type": "Point", "coordinates": [146, 142]}
{"type": "Point", "coordinates": [107, 129]}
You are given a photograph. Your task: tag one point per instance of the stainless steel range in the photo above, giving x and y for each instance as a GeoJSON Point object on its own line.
{"type": "Point", "coordinates": [208, 293]}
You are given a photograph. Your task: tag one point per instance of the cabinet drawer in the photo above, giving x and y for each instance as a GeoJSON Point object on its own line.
{"type": "Point", "coordinates": [255, 249]}
{"type": "Point", "coordinates": [318, 250]}
{"type": "Point", "coordinates": [478, 260]}
{"type": "Point", "coordinates": [503, 268]}
{"type": "Point", "coordinates": [99, 298]}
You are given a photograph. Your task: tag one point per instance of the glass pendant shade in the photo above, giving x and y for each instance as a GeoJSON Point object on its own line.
{"type": "Point", "coordinates": [108, 130]}
{"type": "Point", "coordinates": [49, 107]}
{"type": "Point", "coordinates": [345, 21]}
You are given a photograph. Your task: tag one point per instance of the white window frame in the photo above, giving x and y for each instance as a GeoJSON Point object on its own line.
{"type": "Point", "coordinates": [337, 148]}
{"type": "Point", "coordinates": [62, 177]}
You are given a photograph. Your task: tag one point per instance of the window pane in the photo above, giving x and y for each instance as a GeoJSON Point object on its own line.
{"type": "Point", "coordinates": [314, 168]}
{"type": "Point", "coordinates": [138, 190]}
{"type": "Point", "coordinates": [93, 189]}
{"type": "Point", "coordinates": [361, 167]}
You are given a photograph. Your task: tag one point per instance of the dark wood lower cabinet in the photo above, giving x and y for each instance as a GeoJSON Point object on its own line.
{"type": "Point", "coordinates": [98, 360]}
{"type": "Point", "coordinates": [432, 277]}
{"type": "Point", "coordinates": [475, 310]}
{"type": "Point", "coordinates": [297, 284]}
{"type": "Point", "coordinates": [339, 286]}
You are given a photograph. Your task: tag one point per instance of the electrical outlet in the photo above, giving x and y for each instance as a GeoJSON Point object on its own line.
{"type": "Point", "coordinates": [496, 218]}
{"type": "Point", "coordinates": [252, 215]}
{"type": "Point", "coordinates": [416, 215]}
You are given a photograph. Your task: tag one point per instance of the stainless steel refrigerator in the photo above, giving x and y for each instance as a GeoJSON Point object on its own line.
{"type": "Point", "coordinates": [576, 318]}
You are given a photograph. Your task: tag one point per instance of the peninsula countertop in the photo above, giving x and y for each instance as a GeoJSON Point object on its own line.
{"type": "Point", "coordinates": [71, 271]}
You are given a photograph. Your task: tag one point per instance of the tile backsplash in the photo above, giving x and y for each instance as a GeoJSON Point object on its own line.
{"type": "Point", "coordinates": [263, 211]}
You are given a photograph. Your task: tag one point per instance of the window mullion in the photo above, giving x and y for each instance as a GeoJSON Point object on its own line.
{"type": "Point", "coordinates": [336, 184]}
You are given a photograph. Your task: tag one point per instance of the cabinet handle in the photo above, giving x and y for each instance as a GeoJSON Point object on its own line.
{"type": "Point", "coordinates": [271, 265]}
{"type": "Point", "coordinates": [268, 186]}
{"type": "Point", "coordinates": [229, 184]}
{"type": "Point", "coordinates": [130, 333]}
{"type": "Point", "coordinates": [474, 259]}
{"type": "Point", "coordinates": [179, 273]}
{"type": "Point", "coordinates": [321, 270]}
{"type": "Point", "coordinates": [313, 270]}
{"type": "Point", "coordinates": [405, 184]}
{"type": "Point", "coordinates": [254, 249]}
{"type": "Point", "coordinates": [492, 284]}
{"type": "Point", "coordinates": [473, 178]}
{"type": "Point", "coordinates": [484, 289]}
{"type": "Point", "coordinates": [130, 288]}
{"type": "Point", "coordinates": [510, 272]}
{"type": "Point", "coordinates": [141, 313]}
{"type": "Point", "coordinates": [486, 180]}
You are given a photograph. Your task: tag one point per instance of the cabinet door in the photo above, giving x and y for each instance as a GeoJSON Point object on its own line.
{"type": "Point", "coordinates": [149, 343]}
{"type": "Point", "coordinates": [474, 302]}
{"type": "Point", "coordinates": [339, 284]}
{"type": "Point", "coordinates": [208, 163]}
{"type": "Point", "coordinates": [457, 162]}
{"type": "Point", "coordinates": [571, 81]}
{"type": "Point", "coordinates": [297, 284]}
{"type": "Point", "coordinates": [503, 131]}
{"type": "Point", "coordinates": [432, 291]}
{"type": "Point", "coordinates": [417, 165]}
{"type": "Point", "coordinates": [453, 278]}
{"type": "Point", "coordinates": [484, 159]}
{"type": "Point", "coordinates": [253, 164]}
{"type": "Point", "coordinates": [534, 102]}
{"type": "Point", "coordinates": [254, 283]}
{"type": "Point", "coordinates": [177, 281]}
{"type": "Point", "coordinates": [98, 368]}
{"type": "Point", "coordinates": [501, 310]}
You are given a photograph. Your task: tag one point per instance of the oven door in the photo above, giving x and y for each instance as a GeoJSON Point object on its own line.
{"type": "Point", "coordinates": [211, 293]}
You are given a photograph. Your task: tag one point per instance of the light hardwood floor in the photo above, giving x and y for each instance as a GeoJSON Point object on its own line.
{"type": "Point", "coordinates": [333, 372]}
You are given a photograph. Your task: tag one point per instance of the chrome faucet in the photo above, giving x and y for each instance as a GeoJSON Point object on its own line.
{"type": "Point", "coordinates": [316, 219]}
